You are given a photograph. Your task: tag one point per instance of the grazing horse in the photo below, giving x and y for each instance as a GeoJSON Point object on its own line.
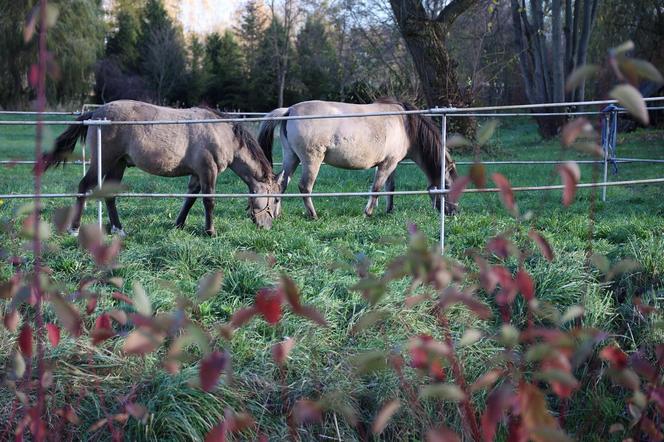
{"type": "Point", "coordinates": [201, 151]}
{"type": "Point", "coordinates": [357, 143]}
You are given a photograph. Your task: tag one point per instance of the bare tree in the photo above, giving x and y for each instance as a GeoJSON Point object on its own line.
{"type": "Point", "coordinates": [164, 62]}
{"type": "Point", "coordinates": [544, 76]}
{"type": "Point", "coordinates": [425, 26]}
{"type": "Point", "coordinates": [282, 36]}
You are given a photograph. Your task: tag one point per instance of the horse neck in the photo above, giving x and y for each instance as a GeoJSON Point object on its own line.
{"type": "Point", "coordinates": [425, 164]}
{"type": "Point", "coordinates": [249, 169]}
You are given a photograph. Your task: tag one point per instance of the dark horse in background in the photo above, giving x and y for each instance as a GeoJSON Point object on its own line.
{"type": "Point", "coordinates": [200, 151]}
{"type": "Point", "coordinates": [358, 143]}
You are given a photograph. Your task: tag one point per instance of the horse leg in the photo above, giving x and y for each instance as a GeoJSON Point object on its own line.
{"type": "Point", "coordinates": [309, 174]}
{"type": "Point", "coordinates": [86, 183]}
{"type": "Point", "coordinates": [291, 161]}
{"type": "Point", "coordinates": [193, 187]}
{"type": "Point", "coordinates": [207, 180]}
{"type": "Point", "coordinates": [389, 186]}
{"type": "Point", "coordinates": [383, 171]}
{"type": "Point", "coordinates": [115, 174]}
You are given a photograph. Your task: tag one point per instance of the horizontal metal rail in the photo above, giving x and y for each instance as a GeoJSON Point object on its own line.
{"type": "Point", "coordinates": [333, 194]}
{"type": "Point", "coordinates": [412, 163]}
{"type": "Point", "coordinates": [450, 112]}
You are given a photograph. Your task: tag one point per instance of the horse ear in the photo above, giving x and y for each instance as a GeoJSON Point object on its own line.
{"type": "Point", "coordinates": [280, 178]}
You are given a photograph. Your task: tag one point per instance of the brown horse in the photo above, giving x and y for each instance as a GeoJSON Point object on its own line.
{"type": "Point", "coordinates": [201, 151]}
{"type": "Point", "coordinates": [357, 143]}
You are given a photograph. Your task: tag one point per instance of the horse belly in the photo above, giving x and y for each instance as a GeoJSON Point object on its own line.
{"type": "Point", "coordinates": [351, 158]}
{"type": "Point", "coordinates": [161, 163]}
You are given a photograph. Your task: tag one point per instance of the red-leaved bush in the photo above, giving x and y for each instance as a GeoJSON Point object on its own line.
{"type": "Point", "coordinates": [539, 349]}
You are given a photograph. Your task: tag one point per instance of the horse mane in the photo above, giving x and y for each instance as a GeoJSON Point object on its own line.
{"type": "Point", "coordinates": [422, 133]}
{"type": "Point", "coordinates": [246, 139]}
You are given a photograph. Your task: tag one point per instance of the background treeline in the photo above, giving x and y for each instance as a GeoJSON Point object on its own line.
{"type": "Point", "coordinates": [283, 51]}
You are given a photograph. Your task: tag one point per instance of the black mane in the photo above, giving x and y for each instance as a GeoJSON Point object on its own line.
{"type": "Point", "coordinates": [246, 139]}
{"type": "Point", "coordinates": [423, 134]}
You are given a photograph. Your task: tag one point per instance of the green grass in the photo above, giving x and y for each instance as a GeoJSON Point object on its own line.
{"type": "Point", "coordinates": [316, 255]}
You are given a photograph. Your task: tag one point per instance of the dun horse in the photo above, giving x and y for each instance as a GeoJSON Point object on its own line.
{"type": "Point", "coordinates": [201, 151]}
{"type": "Point", "coordinates": [357, 143]}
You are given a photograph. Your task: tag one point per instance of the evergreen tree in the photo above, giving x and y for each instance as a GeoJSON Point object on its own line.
{"type": "Point", "coordinates": [76, 42]}
{"type": "Point", "coordinates": [317, 62]}
{"type": "Point", "coordinates": [224, 71]}
{"type": "Point", "coordinates": [162, 54]}
{"type": "Point", "coordinates": [197, 73]}
{"type": "Point", "coordinates": [122, 44]}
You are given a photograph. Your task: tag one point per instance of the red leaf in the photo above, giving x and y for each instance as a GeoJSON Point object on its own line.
{"type": "Point", "coordinates": [141, 341]}
{"type": "Point", "coordinates": [573, 129]}
{"type": "Point", "coordinates": [25, 340]}
{"type": "Point", "coordinates": [242, 316]}
{"type": "Point", "coordinates": [122, 297]}
{"type": "Point", "coordinates": [500, 246]}
{"type": "Point", "coordinates": [91, 305]}
{"type": "Point", "coordinates": [281, 350]}
{"type": "Point", "coordinates": [615, 356]}
{"type": "Point", "coordinates": [53, 334]}
{"type": "Point", "coordinates": [525, 284]}
{"type": "Point", "coordinates": [659, 352]}
{"type": "Point", "coordinates": [103, 321]}
{"type": "Point", "coordinates": [570, 175]}
{"type": "Point", "coordinates": [306, 411]}
{"type": "Point", "coordinates": [497, 403]}
{"type": "Point", "coordinates": [103, 329]}
{"type": "Point", "coordinates": [312, 314]}
{"type": "Point", "coordinates": [442, 435]}
{"type": "Point", "coordinates": [33, 75]}
{"type": "Point", "coordinates": [477, 174]}
{"type": "Point", "coordinates": [457, 188]}
{"type": "Point", "coordinates": [217, 433]}
{"type": "Point", "coordinates": [535, 415]}
{"type": "Point", "coordinates": [453, 296]}
{"type": "Point", "coordinates": [11, 320]}
{"type": "Point", "coordinates": [558, 362]}
{"type": "Point", "coordinates": [210, 370]}
{"type": "Point", "coordinates": [384, 416]}
{"type": "Point", "coordinates": [268, 303]}
{"type": "Point", "coordinates": [643, 367]}
{"type": "Point", "coordinates": [542, 243]}
{"type": "Point", "coordinates": [506, 193]}
{"type": "Point", "coordinates": [291, 291]}
{"type": "Point", "coordinates": [67, 314]}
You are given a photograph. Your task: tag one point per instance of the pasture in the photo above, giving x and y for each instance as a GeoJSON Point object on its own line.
{"type": "Point", "coordinates": [319, 256]}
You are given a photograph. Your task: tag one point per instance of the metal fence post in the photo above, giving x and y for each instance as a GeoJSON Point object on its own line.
{"type": "Point", "coordinates": [443, 165]}
{"type": "Point", "coordinates": [83, 156]}
{"type": "Point", "coordinates": [99, 174]}
{"type": "Point", "coordinates": [609, 139]}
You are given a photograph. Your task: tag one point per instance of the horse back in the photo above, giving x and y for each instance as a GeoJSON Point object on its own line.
{"type": "Point", "coordinates": [165, 149]}
{"type": "Point", "coordinates": [347, 142]}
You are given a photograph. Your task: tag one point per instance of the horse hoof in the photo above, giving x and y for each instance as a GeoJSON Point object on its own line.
{"type": "Point", "coordinates": [368, 212]}
{"type": "Point", "coordinates": [120, 232]}
{"type": "Point", "coordinates": [211, 232]}
{"type": "Point", "coordinates": [73, 231]}
{"type": "Point", "coordinates": [179, 226]}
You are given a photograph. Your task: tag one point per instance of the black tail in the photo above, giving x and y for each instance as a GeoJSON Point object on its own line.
{"type": "Point", "coordinates": [65, 143]}
{"type": "Point", "coordinates": [266, 131]}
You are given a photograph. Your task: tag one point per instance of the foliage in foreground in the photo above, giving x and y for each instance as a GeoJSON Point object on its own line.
{"type": "Point", "coordinates": [538, 351]}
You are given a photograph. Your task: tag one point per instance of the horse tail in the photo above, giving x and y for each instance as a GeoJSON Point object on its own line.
{"type": "Point", "coordinates": [65, 143]}
{"type": "Point", "coordinates": [266, 130]}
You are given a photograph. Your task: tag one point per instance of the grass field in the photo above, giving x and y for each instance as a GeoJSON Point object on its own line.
{"type": "Point", "coordinates": [317, 254]}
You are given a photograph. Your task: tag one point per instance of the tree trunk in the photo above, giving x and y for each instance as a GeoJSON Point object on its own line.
{"type": "Point", "coordinates": [426, 40]}
{"type": "Point", "coordinates": [589, 11]}
{"type": "Point", "coordinates": [557, 51]}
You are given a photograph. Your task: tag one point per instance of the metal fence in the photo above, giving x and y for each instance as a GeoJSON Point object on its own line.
{"type": "Point", "coordinates": [608, 115]}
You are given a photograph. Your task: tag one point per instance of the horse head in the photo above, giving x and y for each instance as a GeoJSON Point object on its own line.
{"type": "Point", "coordinates": [263, 210]}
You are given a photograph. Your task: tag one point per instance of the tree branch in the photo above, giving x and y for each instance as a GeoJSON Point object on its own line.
{"type": "Point", "coordinates": [452, 11]}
